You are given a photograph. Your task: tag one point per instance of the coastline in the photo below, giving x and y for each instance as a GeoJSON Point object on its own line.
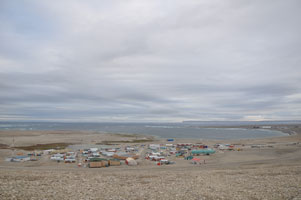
{"type": "Point", "coordinates": [269, 171]}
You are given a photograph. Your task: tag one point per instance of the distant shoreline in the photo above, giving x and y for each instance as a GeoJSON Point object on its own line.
{"type": "Point", "coordinates": [166, 130]}
{"type": "Point", "coordinates": [287, 129]}
{"type": "Point", "coordinates": [284, 129]}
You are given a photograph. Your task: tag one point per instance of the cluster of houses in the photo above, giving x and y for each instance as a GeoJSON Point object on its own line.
{"type": "Point", "coordinates": [94, 157]}
{"type": "Point", "coordinates": [105, 156]}
{"type": "Point", "coordinates": [20, 157]}
{"type": "Point", "coordinates": [68, 157]}
{"type": "Point", "coordinates": [224, 147]}
{"type": "Point", "coordinates": [161, 152]}
{"type": "Point", "coordinates": [109, 156]}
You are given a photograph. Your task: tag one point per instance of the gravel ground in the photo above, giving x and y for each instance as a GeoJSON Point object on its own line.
{"type": "Point", "coordinates": [260, 183]}
{"type": "Point", "coordinates": [260, 173]}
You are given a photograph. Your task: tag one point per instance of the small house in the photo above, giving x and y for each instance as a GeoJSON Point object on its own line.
{"type": "Point", "coordinates": [95, 165]}
{"type": "Point", "coordinates": [202, 152]}
{"type": "Point", "coordinates": [114, 162]}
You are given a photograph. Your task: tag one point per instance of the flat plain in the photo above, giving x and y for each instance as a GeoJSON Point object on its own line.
{"type": "Point", "coordinates": [267, 168]}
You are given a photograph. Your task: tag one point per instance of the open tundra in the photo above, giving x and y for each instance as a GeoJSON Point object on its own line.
{"type": "Point", "coordinates": [267, 168]}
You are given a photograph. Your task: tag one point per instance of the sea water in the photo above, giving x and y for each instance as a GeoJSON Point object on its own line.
{"type": "Point", "coordinates": [162, 130]}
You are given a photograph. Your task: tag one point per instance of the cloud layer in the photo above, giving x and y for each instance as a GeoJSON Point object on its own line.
{"type": "Point", "coordinates": [154, 60]}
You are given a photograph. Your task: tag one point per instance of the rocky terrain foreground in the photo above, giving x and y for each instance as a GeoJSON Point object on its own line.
{"type": "Point", "coordinates": [259, 183]}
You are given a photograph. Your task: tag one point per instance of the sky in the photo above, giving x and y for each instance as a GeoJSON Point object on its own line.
{"type": "Point", "coordinates": [150, 60]}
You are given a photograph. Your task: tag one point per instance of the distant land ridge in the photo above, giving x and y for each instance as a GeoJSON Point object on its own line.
{"type": "Point", "coordinates": [241, 123]}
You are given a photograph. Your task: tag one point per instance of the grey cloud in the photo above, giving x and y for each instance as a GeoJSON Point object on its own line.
{"type": "Point", "coordinates": [150, 60]}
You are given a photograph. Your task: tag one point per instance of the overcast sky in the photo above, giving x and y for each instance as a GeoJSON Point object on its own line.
{"type": "Point", "coordinates": [138, 60]}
